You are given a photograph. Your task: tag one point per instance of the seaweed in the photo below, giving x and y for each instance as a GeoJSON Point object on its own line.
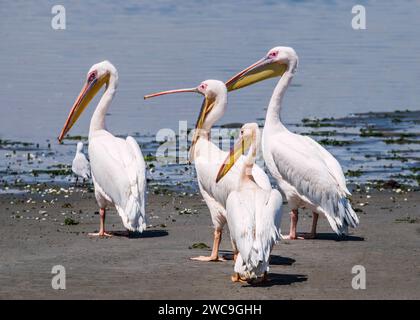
{"type": "Point", "coordinates": [70, 222]}
{"type": "Point", "coordinates": [52, 172]}
{"type": "Point", "coordinates": [401, 140]}
{"type": "Point", "coordinates": [354, 173]}
{"type": "Point", "coordinates": [68, 137]}
{"type": "Point", "coordinates": [149, 157]}
{"type": "Point", "coordinates": [336, 143]}
{"type": "Point", "coordinates": [370, 133]}
{"type": "Point", "coordinates": [323, 133]}
{"type": "Point", "coordinates": [199, 245]}
{"type": "Point", "coordinates": [407, 219]}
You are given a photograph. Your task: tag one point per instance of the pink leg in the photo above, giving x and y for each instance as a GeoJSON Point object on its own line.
{"type": "Point", "coordinates": [293, 223]}
{"type": "Point", "coordinates": [312, 235]}
{"type": "Point", "coordinates": [101, 232]}
{"type": "Point", "coordinates": [215, 251]}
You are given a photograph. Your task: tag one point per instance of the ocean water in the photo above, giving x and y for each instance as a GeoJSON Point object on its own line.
{"type": "Point", "coordinates": [158, 45]}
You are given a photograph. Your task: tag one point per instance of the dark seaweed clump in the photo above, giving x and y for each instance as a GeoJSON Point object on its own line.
{"type": "Point", "coordinates": [354, 173]}
{"type": "Point", "coordinates": [333, 142]}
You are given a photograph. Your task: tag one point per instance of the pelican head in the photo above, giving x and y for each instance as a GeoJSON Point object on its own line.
{"type": "Point", "coordinates": [99, 74]}
{"type": "Point", "coordinates": [79, 147]}
{"type": "Point", "coordinates": [212, 109]}
{"type": "Point", "coordinates": [274, 64]}
{"type": "Point", "coordinates": [249, 136]}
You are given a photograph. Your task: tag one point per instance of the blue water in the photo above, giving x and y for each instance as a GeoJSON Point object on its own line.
{"type": "Point", "coordinates": [159, 45]}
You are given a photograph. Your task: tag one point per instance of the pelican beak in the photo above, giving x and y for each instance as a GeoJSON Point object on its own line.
{"type": "Point", "coordinates": [234, 154]}
{"type": "Point", "coordinates": [162, 93]}
{"type": "Point", "coordinates": [206, 107]}
{"type": "Point", "coordinates": [89, 90]}
{"type": "Point", "coordinates": [261, 70]}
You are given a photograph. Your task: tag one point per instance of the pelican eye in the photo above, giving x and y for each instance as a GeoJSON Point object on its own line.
{"type": "Point", "coordinates": [203, 86]}
{"type": "Point", "coordinates": [92, 77]}
{"type": "Point", "coordinates": [273, 54]}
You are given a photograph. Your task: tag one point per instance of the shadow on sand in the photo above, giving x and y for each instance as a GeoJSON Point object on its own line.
{"type": "Point", "coordinates": [144, 234]}
{"type": "Point", "coordinates": [335, 237]}
{"type": "Point", "coordinates": [281, 261]}
{"type": "Point", "coordinates": [274, 260]}
{"type": "Point", "coordinates": [276, 279]}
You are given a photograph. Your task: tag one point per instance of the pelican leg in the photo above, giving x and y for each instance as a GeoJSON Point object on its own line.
{"type": "Point", "coordinates": [77, 179]}
{"type": "Point", "coordinates": [293, 223]}
{"type": "Point", "coordinates": [101, 232]}
{"type": "Point", "coordinates": [215, 251]}
{"type": "Point", "coordinates": [235, 255]}
{"type": "Point", "coordinates": [312, 235]}
{"type": "Point", "coordinates": [237, 278]}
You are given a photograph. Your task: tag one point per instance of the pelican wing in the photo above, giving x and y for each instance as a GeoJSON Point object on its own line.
{"type": "Point", "coordinates": [240, 208]}
{"type": "Point", "coordinates": [334, 166]}
{"type": "Point", "coordinates": [254, 223]}
{"type": "Point", "coordinates": [310, 169]}
{"type": "Point", "coordinates": [119, 170]}
{"type": "Point", "coordinates": [268, 219]}
{"type": "Point", "coordinates": [137, 174]}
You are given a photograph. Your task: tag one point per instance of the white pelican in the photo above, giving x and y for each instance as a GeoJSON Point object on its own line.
{"type": "Point", "coordinates": [253, 213]}
{"type": "Point", "coordinates": [308, 174]}
{"type": "Point", "coordinates": [118, 167]}
{"type": "Point", "coordinates": [80, 165]}
{"type": "Point", "coordinates": [208, 158]}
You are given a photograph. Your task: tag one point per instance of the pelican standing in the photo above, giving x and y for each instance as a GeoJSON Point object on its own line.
{"type": "Point", "coordinates": [208, 158]}
{"type": "Point", "coordinates": [80, 165]}
{"type": "Point", "coordinates": [308, 174]}
{"type": "Point", "coordinates": [118, 167]}
{"type": "Point", "coordinates": [253, 213]}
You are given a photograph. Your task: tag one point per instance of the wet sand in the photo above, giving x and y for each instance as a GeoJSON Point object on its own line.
{"type": "Point", "coordinates": [156, 265]}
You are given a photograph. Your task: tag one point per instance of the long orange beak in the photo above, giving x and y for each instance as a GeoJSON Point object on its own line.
{"type": "Point", "coordinates": [261, 70]}
{"type": "Point", "coordinates": [206, 107]}
{"type": "Point", "coordinates": [234, 154]}
{"type": "Point", "coordinates": [89, 90]}
{"type": "Point", "coordinates": [162, 93]}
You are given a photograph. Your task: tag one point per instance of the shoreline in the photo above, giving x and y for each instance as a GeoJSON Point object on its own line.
{"type": "Point", "coordinates": [156, 265]}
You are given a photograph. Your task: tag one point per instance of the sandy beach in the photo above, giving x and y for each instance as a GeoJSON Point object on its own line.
{"type": "Point", "coordinates": [156, 265]}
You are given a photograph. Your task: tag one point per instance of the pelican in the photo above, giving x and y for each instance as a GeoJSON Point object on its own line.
{"type": "Point", "coordinates": [208, 158]}
{"type": "Point", "coordinates": [253, 213]}
{"type": "Point", "coordinates": [80, 165]}
{"type": "Point", "coordinates": [118, 167]}
{"type": "Point", "coordinates": [308, 174]}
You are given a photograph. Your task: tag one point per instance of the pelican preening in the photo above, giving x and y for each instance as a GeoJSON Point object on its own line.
{"type": "Point", "coordinates": [253, 213]}
{"type": "Point", "coordinates": [308, 174]}
{"type": "Point", "coordinates": [117, 165]}
{"type": "Point", "coordinates": [80, 165]}
{"type": "Point", "coordinates": [208, 158]}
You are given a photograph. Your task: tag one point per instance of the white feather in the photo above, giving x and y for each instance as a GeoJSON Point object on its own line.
{"type": "Point", "coordinates": [118, 169]}
{"type": "Point", "coordinates": [310, 177]}
{"type": "Point", "coordinates": [254, 216]}
{"type": "Point", "coordinates": [80, 165]}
